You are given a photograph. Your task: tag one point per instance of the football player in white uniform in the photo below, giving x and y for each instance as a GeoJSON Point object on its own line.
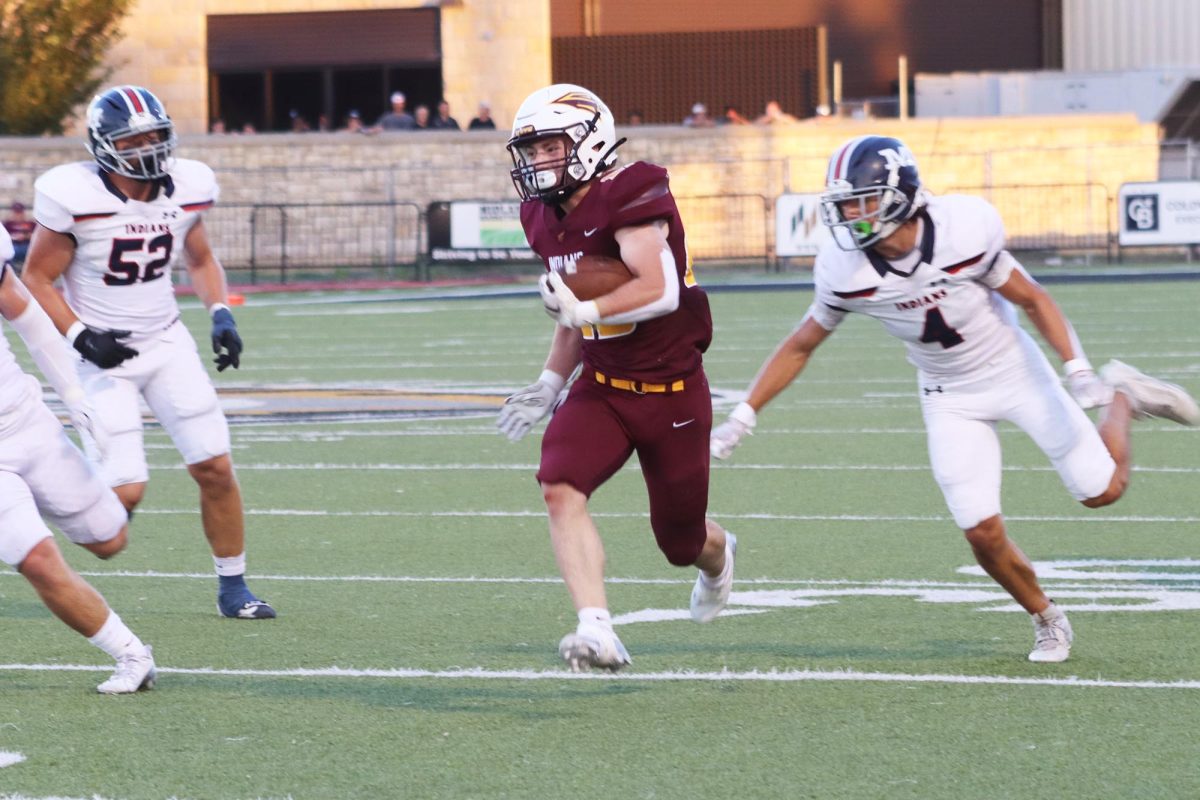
{"type": "Point", "coordinates": [934, 272]}
{"type": "Point", "coordinates": [113, 229]}
{"type": "Point", "coordinates": [43, 473]}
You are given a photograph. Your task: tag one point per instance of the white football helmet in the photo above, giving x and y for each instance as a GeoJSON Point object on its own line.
{"type": "Point", "coordinates": [561, 110]}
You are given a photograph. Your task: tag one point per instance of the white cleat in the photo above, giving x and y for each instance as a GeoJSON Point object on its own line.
{"type": "Point", "coordinates": [134, 673]}
{"type": "Point", "coordinates": [709, 599]}
{"type": "Point", "coordinates": [593, 646]}
{"type": "Point", "coordinates": [1052, 639]}
{"type": "Point", "coordinates": [1150, 396]}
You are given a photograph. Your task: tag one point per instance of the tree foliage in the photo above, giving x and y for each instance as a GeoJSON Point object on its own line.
{"type": "Point", "coordinates": [51, 59]}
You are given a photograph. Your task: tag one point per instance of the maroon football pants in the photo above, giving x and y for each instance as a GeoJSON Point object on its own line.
{"type": "Point", "coordinates": [596, 430]}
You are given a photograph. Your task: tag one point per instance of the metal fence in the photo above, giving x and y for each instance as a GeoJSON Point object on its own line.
{"type": "Point", "coordinates": [730, 227]}
{"type": "Point", "coordinates": [1052, 217]}
{"type": "Point", "coordinates": [287, 242]}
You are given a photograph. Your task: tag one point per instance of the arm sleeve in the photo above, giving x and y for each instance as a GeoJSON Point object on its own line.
{"type": "Point", "coordinates": [49, 351]}
{"type": "Point", "coordinates": [668, 302]}
{"type": "Point", "coordinates": [6, 249]}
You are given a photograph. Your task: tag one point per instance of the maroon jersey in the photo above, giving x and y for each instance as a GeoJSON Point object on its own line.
{"type": "Point", "coordinates": [658, 350]}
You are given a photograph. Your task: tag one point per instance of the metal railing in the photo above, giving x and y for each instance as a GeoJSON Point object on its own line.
{"type": "Point", "coordinates": [284, 242]}
{"type": "Point", "coordinates": [1057, 217]}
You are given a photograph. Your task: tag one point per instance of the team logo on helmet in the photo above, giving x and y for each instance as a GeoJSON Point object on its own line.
{"type": "Point", "coordinates": [580, 100]}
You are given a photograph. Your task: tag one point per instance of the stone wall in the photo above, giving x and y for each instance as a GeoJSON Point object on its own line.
{"type": "Point", "coordinates": [722, 163]}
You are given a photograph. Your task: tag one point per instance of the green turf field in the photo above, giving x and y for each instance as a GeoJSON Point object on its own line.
{"type": "Point", "coordinates": [420, 609]}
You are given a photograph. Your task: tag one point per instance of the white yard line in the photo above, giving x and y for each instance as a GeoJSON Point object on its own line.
{"type": "Point", "coordinates": [675, 676]}
{"type": "Point", "coordinates": [7, 758]}
{"type": "Point", "coordinates": [303, 512]}
{"type": "Point", "coordinates": [632, 466]}
{"type": "Point", "coordinates": [1063, 576]}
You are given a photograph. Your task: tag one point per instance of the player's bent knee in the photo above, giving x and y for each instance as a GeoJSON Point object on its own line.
{"type": "Point", "coordinates": [682, 554]}
{"type": "Point", "coordinates": [987, 535]}
{"type": "Point", "coordinates": [216, 472]}
{"type": "Point", "coordinates": [130, 494]}
{"type": "Point", "coordinates": [562, 497]}
{"type": "Point", "coordinates": [43, 564]}
{"type": "Point", "coordinates": [1112, 494]}
{"type": "Point", "coordinates": [110, 548]}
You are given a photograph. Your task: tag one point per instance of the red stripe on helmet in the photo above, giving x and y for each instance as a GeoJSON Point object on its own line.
{"type": "Point", "coordinates": [138, 106]}
{"type": "Point", "coordinates": [837, 167]}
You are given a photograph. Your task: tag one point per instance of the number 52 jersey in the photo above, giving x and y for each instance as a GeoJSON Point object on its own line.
{"type": "Point", "coordinates": [125, 249]}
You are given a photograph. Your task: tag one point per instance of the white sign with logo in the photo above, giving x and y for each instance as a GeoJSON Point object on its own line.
{"type": "Point", "coordinates": [798, 227]}
{"type": "Point", "coordinates": [485, 225]}
{"type": "Point", "coordinates": [1162, 213]}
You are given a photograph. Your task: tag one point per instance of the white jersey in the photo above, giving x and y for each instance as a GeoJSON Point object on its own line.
{"type": "Point", "coordinates": [124, 249]}
{"type": "Point", "coordinates": [940, 301]}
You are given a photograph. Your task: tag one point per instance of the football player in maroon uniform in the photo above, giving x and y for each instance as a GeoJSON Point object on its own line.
{"type": "Point", "coordinates": [642, 387]}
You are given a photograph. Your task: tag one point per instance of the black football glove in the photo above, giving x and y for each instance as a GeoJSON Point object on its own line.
{"type": "Point", "coordinates": [224, 334]}
{"type": "Point", "coordinates": [104, 348]}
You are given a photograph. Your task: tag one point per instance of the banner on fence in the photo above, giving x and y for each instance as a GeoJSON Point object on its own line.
{"type": "Point", "coordinates": [469, 230]}
{"type": "Point", "coordinates": [1162, 213]}
{"type": "Point", "coordinates": [798, 227]}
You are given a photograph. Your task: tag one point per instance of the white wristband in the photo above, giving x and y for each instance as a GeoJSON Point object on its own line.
{"type": "Point", "coordinates": [77, 327]}
{"type": "Point", "coordinates": [588, 312]}
{"type": "Point", "coordinates": [553, 380]}
{"type": "Point", "coordinates": [1078, 364]}
{"type": "Point", "coordinates": [744, 413]}
{"type": "Point", "coordinates": [215, 307]}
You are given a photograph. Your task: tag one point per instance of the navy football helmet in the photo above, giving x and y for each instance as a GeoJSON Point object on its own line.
{"type": "Point", "coordinates": [870, 167]}
{"type": "Point", "coordinates": [124, 111]}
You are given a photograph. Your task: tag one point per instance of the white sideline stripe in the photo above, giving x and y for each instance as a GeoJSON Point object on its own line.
{"type": "Point", "coordinates": [303, 512]}
{"type": "Point", "coordinates": [8, 758]}
{"type": "Point", "coordinates": [774, 676]}
{"type": "Point", "coordinates": [386, 467]}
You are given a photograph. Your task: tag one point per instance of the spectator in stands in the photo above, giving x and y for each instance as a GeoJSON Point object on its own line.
{"type": "Point", "coordinates": [323, 123]}
{"type": "Point", "coordinates": [354, 122]}
{"type": "Point", "coordinates": [699, 117]}
{"type": "Point", "coordinates": [443, 121]}
{"type": "Point", "coordinates": [397, 119]}
{"type": "Point", "coordinates": [218, 126]}
{"type": "Point", "coordinates": [421, 118]}
{"type": "Point", "coordinates": [249, 128]}
{"type": "Point", "coordinates": [773, 114]}
{"type": "Point", "coordinates": [635, 118]}
{"type": "Point", "coordinates": [482, 121]}
{"type": "Point", "coordinates": [299, 123]}
{"type": "Point", "coordinates": [20, 230]}
{"type": "Point", "coordinates": [732, 116]}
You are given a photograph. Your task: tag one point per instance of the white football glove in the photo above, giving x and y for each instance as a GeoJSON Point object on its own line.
{"type": "Point", "coordinates": [563, 306]}
{"type": "Point", "coordinates": [1085, 385]}
{"type": "Point", "coordinates": [83, 419]}
{"type": "Point", "coordinates": [726, 436]}
{"type": "Point", "coordinates": [525, 408]}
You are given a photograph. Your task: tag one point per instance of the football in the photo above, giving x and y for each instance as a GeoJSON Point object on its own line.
{"type": "Point", "coordinates": [595, 276]}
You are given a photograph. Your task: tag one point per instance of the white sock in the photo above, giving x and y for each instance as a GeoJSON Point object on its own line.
{"type": "Point", "coordinates": [228, 567]}
{"type": "Point", "coordinates": [1050, 613]}
{"type": "Point", "coordinates": [595, 616]}
{"type": "Point", "coordinates": [115, 638]}
{"type": "Point", "coordinates": [711, 581]}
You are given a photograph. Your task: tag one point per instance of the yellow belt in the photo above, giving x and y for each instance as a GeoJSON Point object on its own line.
{"type": "Point", "coordinates": [637, 386]}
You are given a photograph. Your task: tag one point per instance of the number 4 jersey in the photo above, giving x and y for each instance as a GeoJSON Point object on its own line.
{"type": "Point", "coordinates": [124, 249]}
{"type": "Point", "coordinates": [940, 299]}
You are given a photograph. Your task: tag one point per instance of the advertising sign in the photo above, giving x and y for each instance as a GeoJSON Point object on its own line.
{"type": "Point", "coordinates": [1163, 213]}
{"type": "Point", "coordinates": [469, 230]}
{"type": "Point", "coordinates": [798, 227]}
